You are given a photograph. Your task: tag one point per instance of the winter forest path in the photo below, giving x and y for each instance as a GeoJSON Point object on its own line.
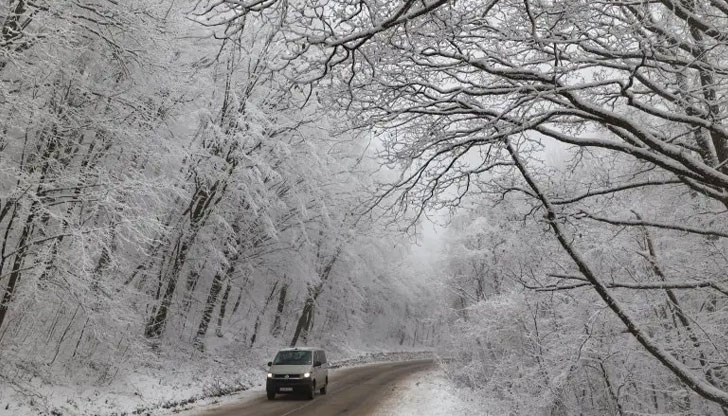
{"type": "Point", "coordinates": [352, 392]}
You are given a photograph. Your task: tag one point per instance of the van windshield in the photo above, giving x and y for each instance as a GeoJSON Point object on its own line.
{"type": "Point", "coordinates": [292, 358]}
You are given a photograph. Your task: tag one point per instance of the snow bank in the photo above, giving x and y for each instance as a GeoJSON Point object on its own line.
{"type": "Point", "coordinates": [431, 393]}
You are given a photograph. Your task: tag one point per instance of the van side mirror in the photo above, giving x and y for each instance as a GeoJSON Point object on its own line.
{"type": "Point", "coordinates": [270, 363]}
{"type": "Point", "coordinates": [317, 364]}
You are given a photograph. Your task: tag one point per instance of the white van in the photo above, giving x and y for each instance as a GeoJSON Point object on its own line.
{"type": "Point", "coordinates": [299, 370]}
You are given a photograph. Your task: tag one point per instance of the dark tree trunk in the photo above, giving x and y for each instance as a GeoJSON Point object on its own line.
{"type": "Point", "coordinates": [276, 328]}
{"type": "Point", "coordinates": [237, 302]}
{"type": "Point", "coordinates": [223, 307]}
{"type": "Point", "coordinates": [158, 320]}
{"type": "Point", "coordinates": [207, 312]}
{"type": "Point", "coordinates": [199, 210]}
{"type": "Point", "coordinates": [261, 313]}
{"type": "Point", "coordinates": [304, 322]}
{"type": "Point", "coordinates": [192, 278]}
{"type": "Point", "coordinates": [17, 266]}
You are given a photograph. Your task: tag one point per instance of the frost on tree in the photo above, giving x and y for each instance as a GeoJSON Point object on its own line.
{"type": "Point", "coordinates": [157, 182]}
{"type": "Point", "coordinates": [637, 90]}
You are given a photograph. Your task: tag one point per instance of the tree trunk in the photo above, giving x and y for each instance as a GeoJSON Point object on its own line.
{"type": "Point", "coordinates": [199, 211]}
{"type": "Point", "coordinates": [304, 322]}
{"type": "Point", "coordinates": [158, 320]}
{"type": "Point", "coordinates": [191, 284]}
{"type": "Point", "coordinates": [276, 328]}
{"type": "Point", "coordinates": [261, 313]}
{"type": "Point", "coordinates": [27, 231]}
{"type": "Point", "coordinates": [17, 265]}
{"type": "Point", "coordinates": [207, 312]}
{"type": "Point", "coordinates": [237, 302]}
{"type": "Point", "coordinates": [223, 307]}
{"type": "Point", "coordinates": [610, 390]}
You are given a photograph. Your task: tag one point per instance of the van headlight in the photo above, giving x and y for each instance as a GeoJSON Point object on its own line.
{"type": "Point", "coordinates": [270, 375]}
{"type": "Point", "coordinates": [306, 375]}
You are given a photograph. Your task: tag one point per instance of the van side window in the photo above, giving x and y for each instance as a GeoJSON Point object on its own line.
{"type": "Point", "coordinates": [322, 357]}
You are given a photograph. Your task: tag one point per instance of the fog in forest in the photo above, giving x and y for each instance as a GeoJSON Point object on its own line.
{"type": "Point", "coordinates": [534, 193]}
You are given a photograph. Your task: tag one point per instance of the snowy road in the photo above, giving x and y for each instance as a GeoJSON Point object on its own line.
{"type": "Point", "coordinates": [352, 392]}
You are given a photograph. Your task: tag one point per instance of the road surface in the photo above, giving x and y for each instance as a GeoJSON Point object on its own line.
{"type": "Point", "coordinates": [351, 392]}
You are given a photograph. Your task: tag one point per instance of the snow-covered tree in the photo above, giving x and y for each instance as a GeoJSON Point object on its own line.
{"type": "Point", "coordinates": [463, 90]}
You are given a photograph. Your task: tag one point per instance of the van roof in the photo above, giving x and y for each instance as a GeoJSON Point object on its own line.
{"type": "Point", "coordinates": [301, 349]}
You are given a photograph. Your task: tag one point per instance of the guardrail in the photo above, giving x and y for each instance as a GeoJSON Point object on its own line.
{"type": "Point", "coordinates": [382, 357]}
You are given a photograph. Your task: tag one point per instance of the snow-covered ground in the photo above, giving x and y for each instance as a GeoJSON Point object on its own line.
{"type": "Point", "coordinates": [258, 390]}
{"type": "Point", "coordinates": [141, 391]}
{"type": "Point", "coordinates": [428, 393]}
{"type": "Point", "coordinates": [199, 406]}
{"type": "Point", "coordinates": [431, 393]}
{"type": "Point", "coordinates": [165, 389]}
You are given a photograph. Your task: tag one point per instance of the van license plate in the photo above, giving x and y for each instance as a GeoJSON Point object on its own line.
{"type": "Point", "coordinates": [286, 388]}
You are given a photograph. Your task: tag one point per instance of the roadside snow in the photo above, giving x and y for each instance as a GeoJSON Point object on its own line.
{"type": "Point", "coordinates": [211, 403]}
{"type": "Point", "coordinates": [166, 388]}
{"type": "Point", "coordinates": [381, 357]}
{"type": "Point", "coordinates": [194, 408]}
{"type": "Point", "coordinates": [431, 393]}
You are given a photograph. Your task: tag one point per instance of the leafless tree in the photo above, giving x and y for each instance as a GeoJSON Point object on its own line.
{"type": "Point", "coordinates": [454, 86]}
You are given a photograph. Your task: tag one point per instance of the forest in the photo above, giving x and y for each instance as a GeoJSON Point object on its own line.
{"type": "Point", "coordinates": [533, 189]}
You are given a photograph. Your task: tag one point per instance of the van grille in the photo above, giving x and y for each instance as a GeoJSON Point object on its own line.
{"type": "Point", "coordinates": [286, 376]}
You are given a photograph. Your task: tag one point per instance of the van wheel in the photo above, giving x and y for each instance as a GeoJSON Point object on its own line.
{"type": "Point", "coordinates": [311, 391]}
{"type": "Point", "coordinates": [271, 394]}
{"type": "Point", "coordinates": [323, 389]}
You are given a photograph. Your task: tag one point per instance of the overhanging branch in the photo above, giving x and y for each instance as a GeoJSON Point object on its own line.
{"type": "Point", "coordinates": [680, 370]}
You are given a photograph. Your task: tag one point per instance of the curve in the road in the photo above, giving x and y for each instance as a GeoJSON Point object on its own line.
{"type": "Point", "coordinates": [351, 392]}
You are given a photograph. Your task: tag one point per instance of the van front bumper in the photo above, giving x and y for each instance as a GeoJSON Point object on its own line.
{"type": "Point", "coordinates": [284, 384]}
